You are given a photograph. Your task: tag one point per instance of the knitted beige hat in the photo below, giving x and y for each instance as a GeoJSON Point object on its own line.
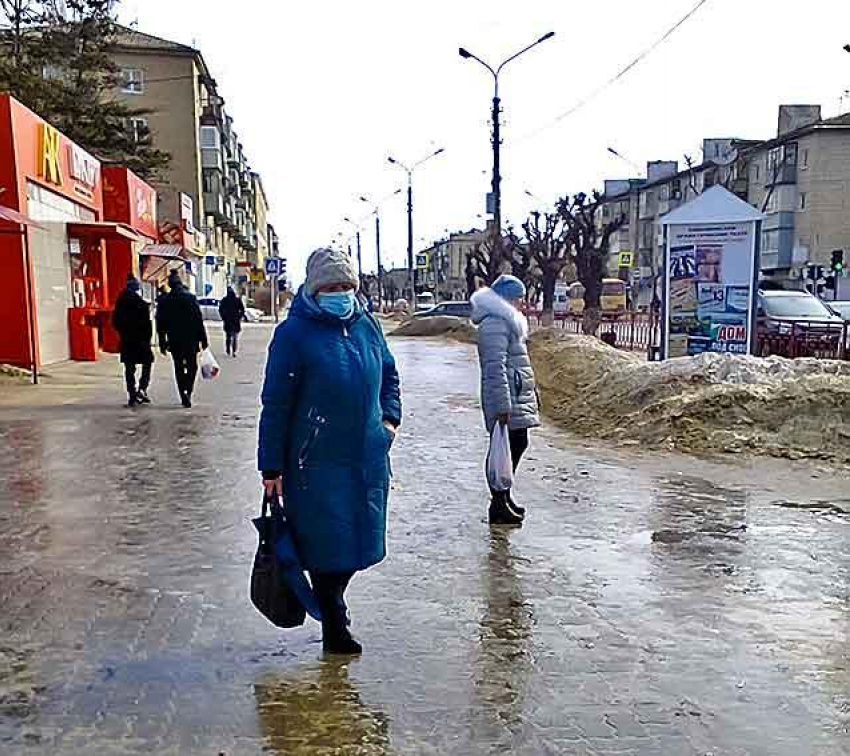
{"type": "Point", "coordinates": [329, 266]}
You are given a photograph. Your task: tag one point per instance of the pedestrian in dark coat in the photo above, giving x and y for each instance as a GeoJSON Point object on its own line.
{"type": "Point", "coordinates": [132, 320]}
{"type": "Point", "coordinates": [232, 313]}
{"type": "Point", "coordinates": [181, 330]}
{"type": "Point", "coordinates": [331, 408]}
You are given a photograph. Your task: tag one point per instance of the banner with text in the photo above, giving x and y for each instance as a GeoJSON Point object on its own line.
{"type": "Point", "coordinates": [710, 289]}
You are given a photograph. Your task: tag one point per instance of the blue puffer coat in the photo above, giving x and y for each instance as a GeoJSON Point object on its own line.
{"type": "Point", "coordinates": [329, 386]}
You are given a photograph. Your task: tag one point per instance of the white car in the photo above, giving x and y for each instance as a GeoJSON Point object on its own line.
{"type": "Point", "coordinates": [209, 310]}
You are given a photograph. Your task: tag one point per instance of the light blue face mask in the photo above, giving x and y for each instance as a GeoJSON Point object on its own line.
{"type": "Point", "coordinates": [337, 303]}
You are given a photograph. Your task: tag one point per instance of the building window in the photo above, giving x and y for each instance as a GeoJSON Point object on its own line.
{"type": "Point", "coordinates": [209, 137]}
{"type": "Point", "coordinates": [772, 203]}
{"type": "Point", "coordinates": [756, 171]}
{"type": "Point", "coordinates": [803, 200]}
{"type": "Point", "coordinates": [138, 128]}
{"type": "Point", "coordinates": [804, 159]}
{"type": "Point", "coordinates": [676, 189]}
{"type": "Point", "coordinates": [133, 80]}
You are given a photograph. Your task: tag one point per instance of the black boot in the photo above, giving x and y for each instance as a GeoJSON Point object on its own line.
{"type": "Point", "coordinates": [501, 512]}
{"type": "Point", "coordinates": [515, 507]}
{"type": "Point", "coordinates": [336, 637]}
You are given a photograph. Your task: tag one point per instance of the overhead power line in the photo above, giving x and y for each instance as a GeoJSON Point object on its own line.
{"type": "Point", "coordinates": [619, 75]}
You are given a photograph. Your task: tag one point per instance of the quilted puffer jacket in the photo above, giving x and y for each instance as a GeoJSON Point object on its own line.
{"type": "Point", "coordinates": [507, 377]}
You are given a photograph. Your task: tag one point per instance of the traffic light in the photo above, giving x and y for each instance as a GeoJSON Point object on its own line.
{"type": "Point", "coordinates": [837, 261]}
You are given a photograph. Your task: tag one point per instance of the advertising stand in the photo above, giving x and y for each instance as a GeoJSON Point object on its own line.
{"type": "Point", "coordinates": [711, 267]}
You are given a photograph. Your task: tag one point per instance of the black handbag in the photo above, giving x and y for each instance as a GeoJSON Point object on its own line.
{"type": "Point", "coordinates": [270, 590]}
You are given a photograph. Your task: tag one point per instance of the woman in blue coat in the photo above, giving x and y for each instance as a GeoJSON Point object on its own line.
{"type": "Point", "coordinates": [331, 410]}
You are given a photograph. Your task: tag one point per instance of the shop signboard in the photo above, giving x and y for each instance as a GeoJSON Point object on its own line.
{"type": "Point", "coordinates": [710, 275]}
{"type": "Point", "coordinates": [40, 154]}
{"type": "Point", "coordinates": [130, 200]}
{"type": "Point", "coordinates": [142, 206]}
{"type": "Point", "coordinates": [187, 213]}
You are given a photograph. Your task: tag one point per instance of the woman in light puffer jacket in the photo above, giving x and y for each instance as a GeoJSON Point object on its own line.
{"type": "Point", "coordinates": [508, 391]}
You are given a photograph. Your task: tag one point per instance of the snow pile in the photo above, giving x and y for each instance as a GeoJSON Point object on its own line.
{"type": "Point", "coordinates": [442, 325]}
{"type": "Point", "coordinates": [710, 403]}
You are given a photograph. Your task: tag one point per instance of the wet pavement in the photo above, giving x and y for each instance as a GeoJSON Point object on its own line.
{"type": "Point", "coordinates": [653, 604]}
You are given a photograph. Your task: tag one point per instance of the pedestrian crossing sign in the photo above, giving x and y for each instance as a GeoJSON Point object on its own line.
{"type": "Point", "coordinates": [627, 259]}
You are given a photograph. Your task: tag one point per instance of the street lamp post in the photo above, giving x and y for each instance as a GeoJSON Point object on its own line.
{"type": "Point", "coordinates": [411, 268]}
{"type": "Point", "coordinates": [497, 136]}
{"type": "Point", "coordinates": [377, 210]}
{"type": "Point", "coordinates": [359, 251]}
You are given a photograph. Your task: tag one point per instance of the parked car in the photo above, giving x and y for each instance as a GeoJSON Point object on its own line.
{"type": "Point", "coordinates": [451, 309]}
{"type": "Point", "coordinates": [841, 308]}
{"type": "Point", "coordinates": [796, 323]}
{"type": "Point", "coordinates": [425, 301]}
{"type": "Point", "coordinates": [209, 310]}
{"type": "Point", "coordinates": [400, 306]}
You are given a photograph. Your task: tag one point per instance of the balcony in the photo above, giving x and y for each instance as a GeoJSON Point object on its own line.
{"type": "Point", "coordinates": [211, 158]}
{"type": "Point", "coordinates": [212, 113]}
{"type": "Point", "coordinates": [782, 174]}
{"type": "Point", "coordinates": [214, 206]}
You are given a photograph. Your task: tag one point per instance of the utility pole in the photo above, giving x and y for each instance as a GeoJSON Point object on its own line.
{"type": "Point", "coordinates": [411, 268]}
{"type": "Point", "coordinates": [380, 266]}
{"type": "Point", "coordinates": [496, 137]}
{"type": "Point", "coordinates": [414, 273]}
{"type": "Point", "coordinates": [359, 258]}
{"type": "Point", "coordinates": [496, 181]}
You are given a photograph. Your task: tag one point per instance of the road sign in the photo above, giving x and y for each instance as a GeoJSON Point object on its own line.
{"type": "Point", "coordinates": [422, 261]}
{"type": "Point", "coordinates": [626, 259]}
{"type": "Point", "coordinates": [273, 266]}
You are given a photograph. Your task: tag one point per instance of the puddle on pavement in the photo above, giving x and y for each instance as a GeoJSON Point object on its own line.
{"type": "Point", "coordinates": [318, 710]}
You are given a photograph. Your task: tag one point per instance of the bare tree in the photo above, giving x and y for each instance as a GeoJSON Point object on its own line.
{"type": "Point", "coordinates": [548, 246]}
{"type": "Point", "coordinates": [589, 243]}
{"type": "Point", "coordinates": [484, 265]}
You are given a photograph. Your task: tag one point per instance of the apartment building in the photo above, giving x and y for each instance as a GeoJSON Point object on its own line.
{"type": "Point", "coordinates": [210, 191]}
{"type": "Point", "coordinates": [800, 180]}
{"type": "Point", "coordinates": [446, 271]}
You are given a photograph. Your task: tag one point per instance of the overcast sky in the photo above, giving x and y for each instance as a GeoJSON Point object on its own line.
{"type": "Point", "coordinates": [322, 92]}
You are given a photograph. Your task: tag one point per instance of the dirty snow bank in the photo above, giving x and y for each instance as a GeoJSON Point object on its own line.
{"type": "Point", "coordinates": [442, 325]}
{"type": "Point", "coordinates": [710, 403]}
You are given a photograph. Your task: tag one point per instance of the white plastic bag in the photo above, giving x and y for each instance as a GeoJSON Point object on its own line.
{"type": "Point", "coordinates": [500, 466]}
{"type": "Point", "coordinates": [209, 367]}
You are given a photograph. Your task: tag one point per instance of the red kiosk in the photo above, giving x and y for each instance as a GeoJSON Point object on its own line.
{"type": "Point", "coordinates": [61, 261]}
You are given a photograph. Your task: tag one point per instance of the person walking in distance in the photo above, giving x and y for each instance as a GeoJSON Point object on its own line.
{"type": "Point", "coordinates": [132, 320]}
{"type": "Point", "coordinates": [232, 313]}
{"type": "Point", "coordinates": [331, 409]}
{"type": "Point", "coordinates": [508, 391]}
{"type": "Point", "coordinates": [180, 326]}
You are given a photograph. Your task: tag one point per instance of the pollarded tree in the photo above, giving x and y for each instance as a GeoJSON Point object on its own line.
{"type": "Point", "coordinates": [589, 242]}
{"type": "Point", "coordinates": [547, 245]}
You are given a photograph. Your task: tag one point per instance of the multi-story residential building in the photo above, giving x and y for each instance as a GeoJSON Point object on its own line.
{"type": "Point", "coordinates": [800, 180]}
{"type": "Point", "coordinates": [210, 189]}
{"type": "Point", "coordinates": [446, 272]}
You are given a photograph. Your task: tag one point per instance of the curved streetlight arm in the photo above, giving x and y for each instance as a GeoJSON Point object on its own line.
{"type": "Point", "coordinates": [524, 50]}
{"type": "Point", "coordinates": [427, 158]}
{"type": "Point", "coordinates": [464, 53]}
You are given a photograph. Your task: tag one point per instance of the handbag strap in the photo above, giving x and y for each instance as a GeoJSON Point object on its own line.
{"type": "Point", "coordinates": [269, 500]}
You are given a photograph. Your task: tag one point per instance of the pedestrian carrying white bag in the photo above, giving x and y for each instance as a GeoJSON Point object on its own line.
{"type": "Point", "coordinates": [209, 367]}
{"type": "Point", "coordinates": [500, 467]}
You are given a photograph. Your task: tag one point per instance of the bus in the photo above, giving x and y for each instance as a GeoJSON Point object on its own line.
{"type": "Point", "coordinates": [612, 301]}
